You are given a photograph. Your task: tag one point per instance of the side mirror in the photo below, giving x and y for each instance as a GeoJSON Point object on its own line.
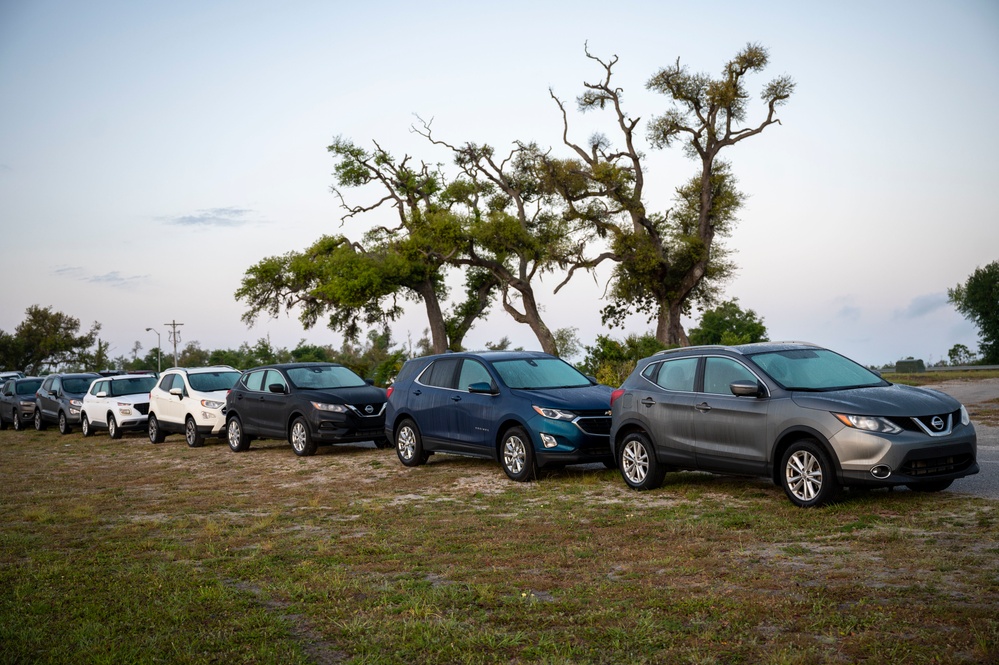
{"type": "Point", "coordinates": [179, 392]}
{"type": "Point", "coordinates": [369, 382]}
{"type": "Point", "coordinates": [277, 388]}
{"type": "Point", "coordinates": [101, 394]}
{"type": "Point", "coordinates": [593, 380]}
{"type": "Point", "coordinates": [746, 389]}
{"type": "Point", "coordinates": [481, 387]}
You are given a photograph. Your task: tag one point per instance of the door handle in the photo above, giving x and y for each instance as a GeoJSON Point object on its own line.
{"type": "Point", "coordinates": [417, 392]}
{"type": "Point", "coordinates": [648, 401]}
{"type": "Point", "coordinates": [456, 398]}
{"type": "Point", "coordinates": [703, 407]}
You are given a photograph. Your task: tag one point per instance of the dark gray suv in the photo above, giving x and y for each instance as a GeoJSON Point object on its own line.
{"type": "Point", "coordinates": [60, 398]}
{"type": "Point", "coordinates": [810, 419]}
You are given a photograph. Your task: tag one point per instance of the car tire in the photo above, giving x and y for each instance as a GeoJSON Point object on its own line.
{"type": "Point", "coordinates": [516, 455]}
{"type": "Point", "coordinates": [18, 423]}
{"type": "Point", "coordinates": [930, 485]}
{"type": "Point", "coordinates": [63, 421]}
{"type": "Point", "coordinates": [3, 423]}
{"type": "Point", "coordinates": [39, 423]}
{"type": "Point", "coordinates": [156, 434]}
{"type": "Point", "coordinates": [113, 430]}
{"type": "Point", "coordinates": [191, 434]}
{"type": "Point", "coordinates": [637, 461]}
{"type": "Point", "coordinates": [85, 427]}
{"type": "Point", "coordinates": [234, 434]}
{"type": "Point", "coordinates": [807, 475]}
{"type": "Point", "coordinates": [409, 444]}
{"type": "Point", "coordinates": [301, 439]}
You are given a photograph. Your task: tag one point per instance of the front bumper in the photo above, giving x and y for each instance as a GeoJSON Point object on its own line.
{"type": "Point", "coordinates": [565, 442]}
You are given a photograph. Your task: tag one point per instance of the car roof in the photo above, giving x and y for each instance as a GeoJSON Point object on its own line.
{"type": "Point", "coordinates": [488, 355]}
{"type": "Point", "coordinates": [198, 370]}
{"type": "Point", "coordinates": [120, 377]}
{"type": "Point", "coordinates": [741, 349]}
{"type": "Point", "coordinates": [295, 366]}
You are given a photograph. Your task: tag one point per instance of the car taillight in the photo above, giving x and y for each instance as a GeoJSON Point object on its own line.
{"type": "Point", "coordinates": [617, 393]}
{"type": "Point", "coordinates": [388, 391]}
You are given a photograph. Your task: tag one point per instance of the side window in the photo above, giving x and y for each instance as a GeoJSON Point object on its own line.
{"type": "Point", "coordinates": [472, 371]}
{"type": "Point", "coordinates": [720, 372]}
{"type": "Point", "coordinates": [166, 383]}
{"type": "Point", "coordinates": [56, 384]}
{"type": "Point", "coordinates": [47, 386]}
{"type": "Point", "coordinates": [99, 386]}
{"type": "Point", "coordinates": [7, 387]}
{"type": "Point", "coordinates": [441, 373]}
{"type": "Point", "coordinates": [275, 377]}
{"type": "Point", "coordinates": [255, 380]}
{"type": "Point", "coordinates": [678, 374]}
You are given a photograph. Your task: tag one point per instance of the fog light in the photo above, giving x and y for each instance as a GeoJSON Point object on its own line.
{"type": "Point", "coordinates": [548, 440]}
{"type": "Point", "coordinates": [881, 471]}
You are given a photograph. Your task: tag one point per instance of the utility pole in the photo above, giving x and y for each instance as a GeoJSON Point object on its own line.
{"type": "Point", "coordinates": [174, 336]}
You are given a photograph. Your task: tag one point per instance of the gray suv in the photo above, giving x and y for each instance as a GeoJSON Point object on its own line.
{"type": "Point", "coordinates": [60, 398]}
{"type": "Point", "coordinates": [806, 417]}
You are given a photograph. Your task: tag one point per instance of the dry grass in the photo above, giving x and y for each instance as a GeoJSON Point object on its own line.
{"type": "Point", "coordinates": [118, 551]}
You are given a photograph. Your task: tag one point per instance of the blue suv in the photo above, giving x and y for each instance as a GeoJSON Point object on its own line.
{"type": "Point", "coordinates": [525, 409]}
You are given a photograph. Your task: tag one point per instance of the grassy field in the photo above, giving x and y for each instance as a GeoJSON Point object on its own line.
{"type": "Point", "coordinates": [126, 552]}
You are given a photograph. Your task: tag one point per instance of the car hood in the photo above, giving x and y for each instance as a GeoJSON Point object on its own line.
{"type": "Point", "coordinates": [585, 398]}
{"type": "Point", "coordinates": [355, 395]}
{"type": "Point", "coordinates": [894, 400]}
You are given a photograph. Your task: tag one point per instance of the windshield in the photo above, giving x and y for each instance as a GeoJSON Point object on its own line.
{"type": "Point", "coordinates": [132, 386]}
{"type": "Point", "coordinates": [324, 377]}
{"type": "Point", "coordinates": [27, 387]}
{"type": "Point", "coordinates": [815, 369]}
{"type": "Point", "coordinates": [539, 373]}
{"type": "Point", "coordinates": [207, 382]}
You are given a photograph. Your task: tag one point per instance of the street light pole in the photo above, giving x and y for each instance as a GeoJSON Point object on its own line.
{"type": "Point", "coordinates": [159, 352]}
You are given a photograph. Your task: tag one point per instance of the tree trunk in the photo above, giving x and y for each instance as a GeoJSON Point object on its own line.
{"type": "Point", "coordinates": [669, 330]}
{"type": "Point", "coordinates": [532, 317]}
{"type": "Point", "coordinates": [438, 331]}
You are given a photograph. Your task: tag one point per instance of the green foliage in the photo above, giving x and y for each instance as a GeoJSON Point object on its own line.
{"type": "Point", "coordinates": [728, 324]}
{"type": "Point", "coordinates": [959, 354]}
{"type": "Point", "coordinates": [978, 300]}
{"type": "Point", "coordinates": [611, 360]}
{"type": "Point", "coordinates": [46, 339]}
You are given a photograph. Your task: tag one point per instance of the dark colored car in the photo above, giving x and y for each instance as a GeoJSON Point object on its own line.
{"type": "Point", "coordinates": [17, 401]}
{"type": "Point", "coordinates": [59, 400]}
{"type": "Point", "coordinates": [804, 416]}
{"type": "Point", "coordinates": [307, 404]}
{"type": "Point", "coordinates": [525, 409]}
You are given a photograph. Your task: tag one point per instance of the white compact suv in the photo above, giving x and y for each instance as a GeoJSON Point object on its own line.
{"type": "Point", "coordinates": [190, 400]}
{"type": "Point", "coordinates": [116, 403]}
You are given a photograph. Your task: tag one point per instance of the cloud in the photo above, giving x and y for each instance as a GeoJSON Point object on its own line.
{"type": "Point", "coordinates": [849, 313]}
{"type": "Point", "coordinates": [222, 217]}
{"type": "Point", "coordinates": [923, 305]}
{"type": "Point", "coordinates": [114, 278]}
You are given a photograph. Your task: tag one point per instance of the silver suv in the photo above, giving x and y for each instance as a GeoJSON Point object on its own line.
{"type": "Point", "coordinates": [60, 398]}
{"type": "Point", "coordinates": [810, 419]}
{"type": "Point", "coordinates": [190, 401]}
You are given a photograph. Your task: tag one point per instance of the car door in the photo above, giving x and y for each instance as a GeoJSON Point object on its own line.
{"type": "Point", "coordinates": [271, 407]}
{"type": "Point", "coordinates": [431, 403]}
{"type": "Point", "coordinates": [169, 406]}
{"type": "Point", "coordinates": [95, 406]}
{"type": "Point", "coordinates": [731, 431]}
{"type": "Point", "coordinates": [46, 399]}
{"type": "Point", "coordinates": [664, 403]}
{"type": "Point", "coordinates": [472, 416]}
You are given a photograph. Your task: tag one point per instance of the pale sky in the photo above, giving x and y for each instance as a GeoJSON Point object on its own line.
{"type": "Point", "coordinates": [151, 152]}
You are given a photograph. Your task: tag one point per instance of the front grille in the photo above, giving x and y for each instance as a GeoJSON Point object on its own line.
{"type": "Point", "coordinates": [361, 409]}
{"type": "Point", "coordinates": [937, 466]}
{"type": "Point", "coordinates": [925, 424]}
{"type": "Point", "coordinates": [596, 425]}
{"type": "Point", "coordinates": [142, 408]}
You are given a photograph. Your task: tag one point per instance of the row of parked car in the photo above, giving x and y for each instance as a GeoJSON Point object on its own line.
{"type": "Point", "coordinates": [808, 418]}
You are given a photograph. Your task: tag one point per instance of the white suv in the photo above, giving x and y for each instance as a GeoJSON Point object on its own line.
{"type": "Point", "coordinates": [191, 401]}
{"type": "Point", "coordinates": [116, 403]}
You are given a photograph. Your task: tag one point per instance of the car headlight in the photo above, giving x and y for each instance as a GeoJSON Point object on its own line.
{"type": "Point", "coordinates": [965, 418]}
{"type": "Point", "coordinates": [554, 414]}
{"type": "Point", "coordinates": [124, 408]}
{"type": "Point", "coordinates": [335, 408]}
{"type": "Point", "coordinates": [211, 404]}
{"type": "Point", "coordinates": [869, 423]}
{"type": "Point", "coordinates": [76, 402]}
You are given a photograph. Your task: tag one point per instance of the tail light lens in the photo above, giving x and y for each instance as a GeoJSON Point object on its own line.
{"type": "Point", "coordinates": [614, 395]}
